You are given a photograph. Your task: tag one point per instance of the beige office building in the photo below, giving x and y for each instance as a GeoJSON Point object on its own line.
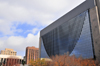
{"type": "Point", "coordinates": [8, 52]}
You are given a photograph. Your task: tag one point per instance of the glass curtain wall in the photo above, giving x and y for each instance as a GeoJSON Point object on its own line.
{"type": "Point", "coordinates": [73, 36]}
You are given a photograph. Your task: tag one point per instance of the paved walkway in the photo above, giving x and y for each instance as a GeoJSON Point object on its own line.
{"type": "Point", "coordinates": [24, 65]}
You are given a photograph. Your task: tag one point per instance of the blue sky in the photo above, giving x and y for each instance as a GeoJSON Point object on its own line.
{"type": "Point", "coordinates": [22, 20]}
{"type": "Point", "coordinates": [25, 29]}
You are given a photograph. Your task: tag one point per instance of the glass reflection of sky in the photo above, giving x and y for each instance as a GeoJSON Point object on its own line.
{"type": "Point", "coordinates": [43, 52]}
{"type": "Point", "coordinates": [84, 44]}
{"type": "Point", "coordinates": [73, 36]}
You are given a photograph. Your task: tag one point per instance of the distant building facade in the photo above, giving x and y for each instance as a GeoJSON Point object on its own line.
{"type": "Point", "coordinates": [7, 60]}
{"type": "Point", "coordinates": [24, 58]}
{"type": "Point", "coordinates": [31, 53]}
{"type": "Point", "coordinates": [77, 32]}
{"type": "Point", "coordinates": [8, 52]}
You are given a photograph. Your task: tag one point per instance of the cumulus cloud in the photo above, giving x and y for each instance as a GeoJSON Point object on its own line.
{"type": "Point", "coordinates": [19, 43]}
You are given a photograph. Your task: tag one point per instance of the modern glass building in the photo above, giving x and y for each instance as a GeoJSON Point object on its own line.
{"type": "Point", "coordinates": [77, 32]}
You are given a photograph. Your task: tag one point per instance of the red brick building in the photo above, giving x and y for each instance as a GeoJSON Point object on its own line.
{"type": "Point", "coordinates": [31, 53]}
{"type": "Point", "coordinates": [12, 62]}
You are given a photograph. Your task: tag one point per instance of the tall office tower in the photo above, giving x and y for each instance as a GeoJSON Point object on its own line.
{"type": "Point", "coordinates": [32, 53]}
{"type": "Point", "coordinates": [77, 32]}
{"type": "Point", "coordinates": [8, 52]}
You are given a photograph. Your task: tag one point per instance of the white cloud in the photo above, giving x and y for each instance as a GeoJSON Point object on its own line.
{"type": "Point", "coordinates": [19, 43]}
{"type": "Point", "coordinates": [34, 30]}
{"type": "Point", "coordinates": [32, 11]}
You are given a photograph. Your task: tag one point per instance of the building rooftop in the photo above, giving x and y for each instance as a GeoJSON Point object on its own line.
{"type": "Point", "coordinates": [32, 48]}
{"type": "Point", "coordinates": [10, 56]}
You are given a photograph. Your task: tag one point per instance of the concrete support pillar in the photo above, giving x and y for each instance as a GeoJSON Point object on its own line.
{"type": "Point", "coordinates": [95, 27]}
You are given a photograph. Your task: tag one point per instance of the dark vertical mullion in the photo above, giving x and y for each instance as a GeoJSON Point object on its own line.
{"type": "Point", "coordinates": [53, 44]}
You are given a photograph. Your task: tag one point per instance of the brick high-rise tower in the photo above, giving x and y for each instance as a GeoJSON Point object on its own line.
{"type": "Point", "coordinates": [31, 53]}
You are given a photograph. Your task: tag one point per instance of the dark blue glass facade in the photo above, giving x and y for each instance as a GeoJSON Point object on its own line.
{"type": "Point", "coordinates": [73, 36]}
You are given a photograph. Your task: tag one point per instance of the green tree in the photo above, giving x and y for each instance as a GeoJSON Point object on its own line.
{"type": "Point", "coordinates": [23, 62]}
